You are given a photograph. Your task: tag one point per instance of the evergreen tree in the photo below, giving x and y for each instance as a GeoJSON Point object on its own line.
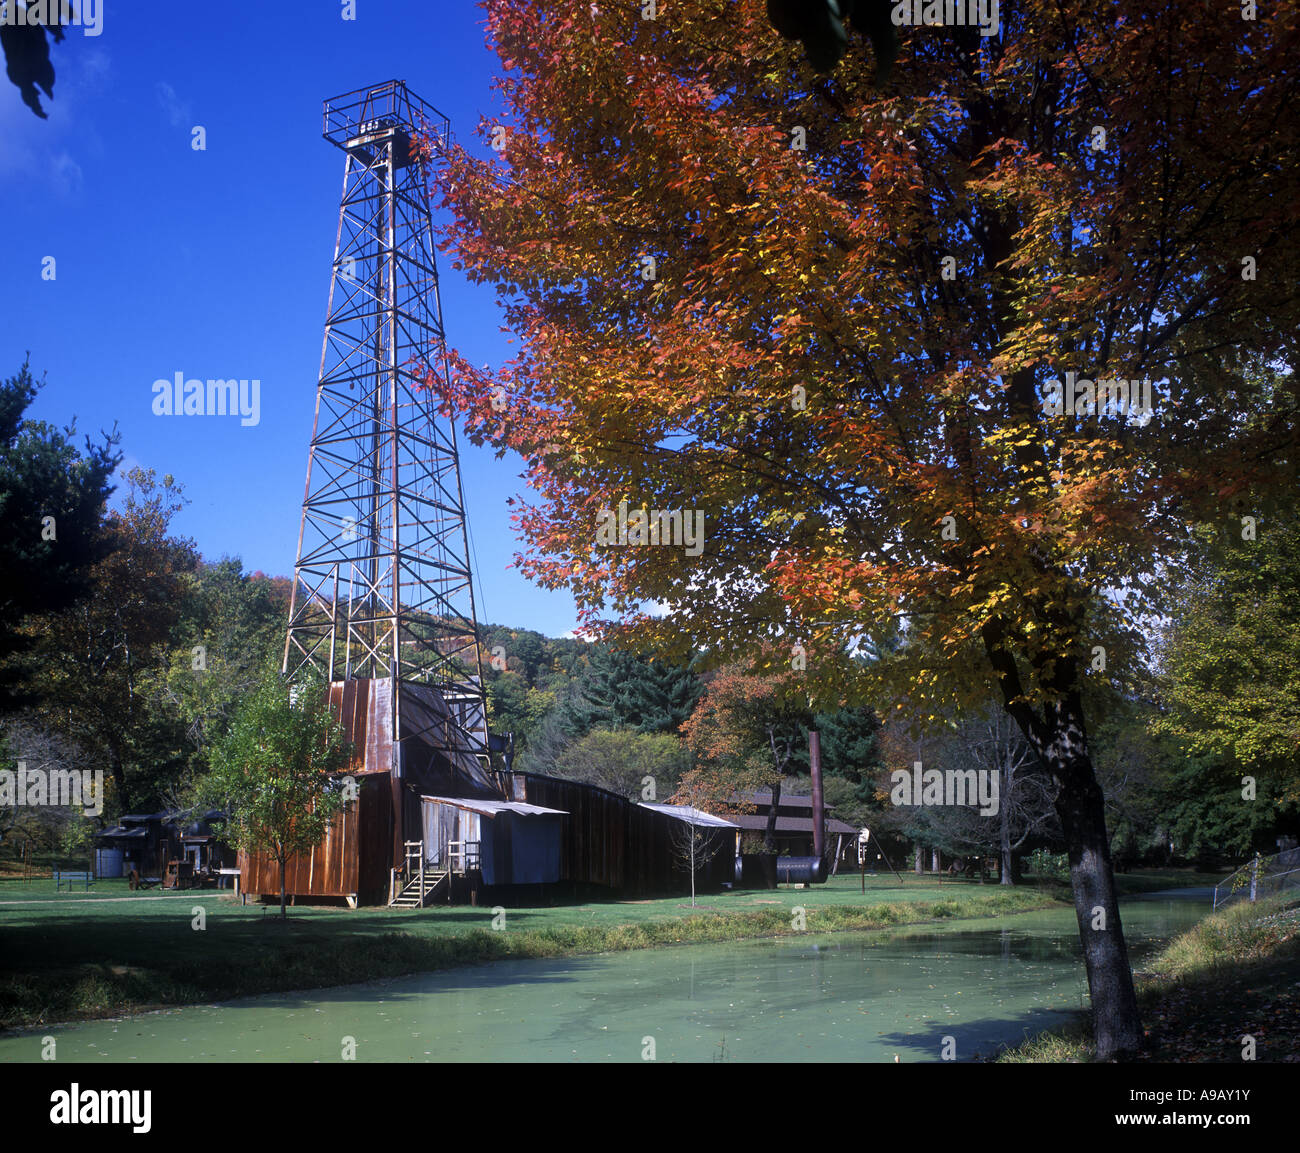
{"type": "Point", "coordinates": [52, 502]}
{"type": "Point", "coordinates": [621, 690]}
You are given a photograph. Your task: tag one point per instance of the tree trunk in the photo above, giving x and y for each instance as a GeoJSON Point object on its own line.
{"type": "Point", "coordinates": [283, 913]}
{"type": "Point", "coordinates": [118, 769]}
{"type": "Point", "coordinates": [1004, 831]}
{"type": "Point", "coordinates": [918, 865]}
{"type": "Point", "coordinates": [1059, 737]}
{"type": "Point", "coordinates": [769, 831]}
{"type": "Point", "coordinates": [934, 861]}
{"type": "Point", "coordinates": [1116, 1023]}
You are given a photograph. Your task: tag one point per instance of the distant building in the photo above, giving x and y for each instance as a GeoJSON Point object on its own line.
{"type": "Point", "coordinates": [143, 842]}
{"type": "Point", "coordinates": [147, 843]}
{"type": "Point", "coordinates": [203, 850]}
{"type": "Point", "coordinates": [794, 825]}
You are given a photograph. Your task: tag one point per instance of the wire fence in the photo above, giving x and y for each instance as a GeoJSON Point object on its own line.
{"type": "Point", "coordinates": [1261, 877]}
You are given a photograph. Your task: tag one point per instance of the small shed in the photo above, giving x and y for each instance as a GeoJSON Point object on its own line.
{"type": "Point", "coordinates": [507, 842]}
{"type": "Point", "coordinates": [718, 848]}
{"type": "Point", "coordinates": [144, 842]}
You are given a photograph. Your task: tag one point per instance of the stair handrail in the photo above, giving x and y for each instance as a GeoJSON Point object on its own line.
{"type": "Point", "coordinates": [467, 853]}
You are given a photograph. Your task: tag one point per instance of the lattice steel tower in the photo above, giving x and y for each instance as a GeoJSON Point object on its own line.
{"type": "Point", "coordinates": [382, 585]}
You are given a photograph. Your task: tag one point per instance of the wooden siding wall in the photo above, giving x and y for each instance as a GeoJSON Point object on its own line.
{"type": "Point", "coordinates": [352, 861]}
{"type": "Point", "coordinates": [609, 840]}
{"type": "Point", "coordinates": [594, 840]}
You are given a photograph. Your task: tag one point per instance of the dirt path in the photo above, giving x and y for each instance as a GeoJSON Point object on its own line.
{"type": "Point", "coordinates": [110, 900]}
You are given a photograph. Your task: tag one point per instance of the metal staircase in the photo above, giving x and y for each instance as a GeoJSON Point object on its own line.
{"type": "Point", "coordinates": [420, 884]}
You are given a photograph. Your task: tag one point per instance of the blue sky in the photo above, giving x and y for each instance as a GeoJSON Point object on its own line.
{"type": "Point", "coordinates": [216, 263]}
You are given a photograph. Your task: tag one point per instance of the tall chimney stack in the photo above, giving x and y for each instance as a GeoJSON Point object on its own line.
{"type": "Point", "coordinates": [818, 807]}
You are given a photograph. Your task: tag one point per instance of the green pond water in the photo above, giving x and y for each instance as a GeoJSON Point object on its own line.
{"type": "Point", "coordinates": [841, 997]}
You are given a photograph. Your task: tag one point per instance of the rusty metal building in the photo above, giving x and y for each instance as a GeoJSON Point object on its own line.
{"type": "Point", "coordinates": [365, 849]}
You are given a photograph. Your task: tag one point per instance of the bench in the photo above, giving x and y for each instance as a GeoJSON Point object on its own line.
{"type": "Point", "coordinates": [86, 878]}
{"type": "Point", "coordinates": [224, 876]}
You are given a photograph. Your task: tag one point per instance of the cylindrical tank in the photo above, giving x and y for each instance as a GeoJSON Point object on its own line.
{"type": "Point", "coordinates": [108, 863]}
{"type": "Point", "coordinates": [800, 871]}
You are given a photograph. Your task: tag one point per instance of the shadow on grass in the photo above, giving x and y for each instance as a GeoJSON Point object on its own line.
{"type": "Point", "coordinates": [979, 1040]}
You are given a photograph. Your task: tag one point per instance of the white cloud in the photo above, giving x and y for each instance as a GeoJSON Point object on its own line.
{"type": "Point", "coordinates": [177, 111]}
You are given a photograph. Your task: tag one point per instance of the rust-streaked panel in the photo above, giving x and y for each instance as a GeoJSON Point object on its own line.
{"type": "Point", "coordinates": [352, 861]}
{"type": "Point", "coordinates": [363, 708]}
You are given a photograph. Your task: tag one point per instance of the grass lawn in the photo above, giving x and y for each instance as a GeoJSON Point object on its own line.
{"type": "Point", "coordinates": [1237, 973]}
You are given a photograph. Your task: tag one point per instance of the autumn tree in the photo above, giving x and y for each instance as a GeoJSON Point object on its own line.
{"type": "Point", "coordinates": [746, 733]}
{"type": "Point", "coordinates": [861, 330]}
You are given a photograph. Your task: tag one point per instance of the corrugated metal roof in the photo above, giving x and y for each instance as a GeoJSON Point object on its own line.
{"type": "Point", "coordinates": [690, 815]}
{"type": "Point", "coordinates": [492, 808]}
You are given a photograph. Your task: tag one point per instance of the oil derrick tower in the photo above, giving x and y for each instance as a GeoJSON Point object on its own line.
{"type": "Point", "coordinates": [382, 603]}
